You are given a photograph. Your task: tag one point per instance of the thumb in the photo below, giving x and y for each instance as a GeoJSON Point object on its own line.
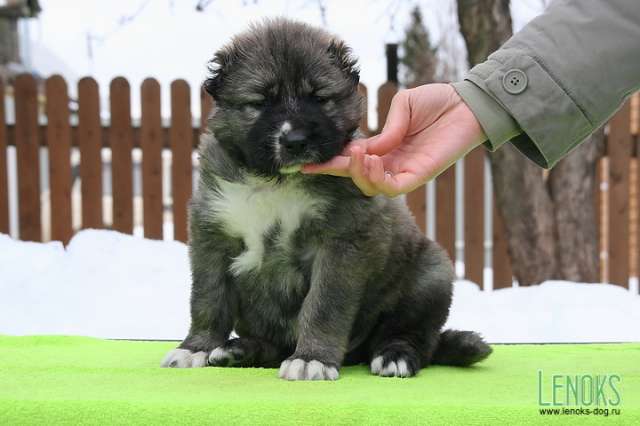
{"type": "Point", "coordinates": [395, 127]}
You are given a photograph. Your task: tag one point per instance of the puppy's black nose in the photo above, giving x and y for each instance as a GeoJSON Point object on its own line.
{"type": "Point", "coordinates": [295, 142]}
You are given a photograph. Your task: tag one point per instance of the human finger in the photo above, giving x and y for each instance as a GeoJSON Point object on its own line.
{"type": "Point", "coordinates": [358, 174]}
{"type": "Point", "coordinates": [395, 128]}
{"type": "Point", "coordinates": [396, 184]}
{"type": "Point", "coordinates": [337, 166]}
{"type": "Point", "coordinates": [376, 170]}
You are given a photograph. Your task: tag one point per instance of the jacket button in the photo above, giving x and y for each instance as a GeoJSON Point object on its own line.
{"type": "Point", "coordinates": [514, 81]}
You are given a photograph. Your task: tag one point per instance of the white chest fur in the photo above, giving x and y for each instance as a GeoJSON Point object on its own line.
{"type": "Point", "coordinates": [249, 209]}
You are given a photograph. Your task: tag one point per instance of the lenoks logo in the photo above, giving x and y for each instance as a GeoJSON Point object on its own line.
{"type": "Point", "coordinates": [579, 394]}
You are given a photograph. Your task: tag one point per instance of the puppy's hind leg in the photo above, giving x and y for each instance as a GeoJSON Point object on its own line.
{"type": "Point", "coordinates": [397, 351]}
{"type": "Point", "coordinates": [406, 338]}
{"type": "Point", "coordinates": [246, 352]}
{"type": "Point", "coordinates": [212, 299]}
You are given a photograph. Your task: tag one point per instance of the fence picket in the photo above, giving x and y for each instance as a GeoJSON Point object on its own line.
{"type": "Point", "coordinates": [151, 144]}
{"type": "Point", "coordinates": [180, 137]}
{"type": "Point", "coordinates": [619, 149]}
{"type": "Point", "coordinates": [121, 142]}
{"type": "Point", "coordinates": [206, 105]}
{"type": "Point", "coordinates": [446, 211]}
{"type": "Point", "coordinates": [27, 135]}
{"type": "Point", "coordinates": [635, 114]}
{"type": "Point", "coordinates": [4, 187]}
{"type": "Point", "coordinates": [386, 92]}
{"type": "Point", "coordinates": [417, 202]}
{"type": "Point", "coordinates": [90, 143]}
{"type": "Point", "coordinates": [598, 209]}
{"type": "Point", "coordinates": [364, 120]}
{"type": "Point", "coordinates": [28, 158]}
{"type": "Point", "coordinates": [636, 216]}
{"type": "Point", "coordinates": [474, 216]}
{"type": "Point", "coordinates": [59, 143]}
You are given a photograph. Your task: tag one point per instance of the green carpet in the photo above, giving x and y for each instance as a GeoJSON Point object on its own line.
{"type": "Point", "coordinates": [78, 380]}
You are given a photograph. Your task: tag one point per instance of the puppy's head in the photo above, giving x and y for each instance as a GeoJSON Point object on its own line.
{"type": "Point", "coordinates": [286, 95]}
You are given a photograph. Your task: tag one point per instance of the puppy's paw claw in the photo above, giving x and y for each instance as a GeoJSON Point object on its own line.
{"type": "Point", "coordinates": [391, 368]}
{"type": "Point", "coordinates": [299, 369]}
{"type": "Point", "coordinates": [184, 358]}
{"type": "Point", "coordinates": [226, 356]}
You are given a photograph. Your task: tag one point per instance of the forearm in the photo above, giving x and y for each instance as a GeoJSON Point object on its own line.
{"type": "Point", "coordinates": [329, 309]}
{"type": "Point", "coordinates": [498, 125]}
{"type": "Point", "coordinates": [560, 78]}
{"type": "Point", "coordinates": [213, 305]}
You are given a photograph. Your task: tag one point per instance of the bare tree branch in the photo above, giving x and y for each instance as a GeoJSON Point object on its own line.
{"type": "Point", "coordinates": [203, 4]}
{"type": "Point", "coordinates": [322, 5]}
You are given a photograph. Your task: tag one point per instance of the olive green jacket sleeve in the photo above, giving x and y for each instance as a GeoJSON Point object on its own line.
{"type": "Point", "coordinates": [559, 79]}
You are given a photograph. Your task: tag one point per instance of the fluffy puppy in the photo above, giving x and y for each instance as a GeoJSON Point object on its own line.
{"type": "Point", "coordinates": [310, 273]}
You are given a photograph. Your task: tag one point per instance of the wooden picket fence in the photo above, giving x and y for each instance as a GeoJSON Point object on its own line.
{"type": "Point", "coordinates": [617, 203]}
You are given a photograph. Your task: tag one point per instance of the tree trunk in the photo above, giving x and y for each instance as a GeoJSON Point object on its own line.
{"type": "Point", "coordinates": [9, 50]}
{"type": "Point", "coordinates": [10, 12]}
{"type": "Point", "coordinates": [572, 186]}
{"type": "Point", "coordinates": [521, 195]}
{"type": "Point", "coordinates": [527, 211]}
{"type": "Point", "coordinates": [485, 25]}
{"type": "Point", "coordinates": [549, 223]}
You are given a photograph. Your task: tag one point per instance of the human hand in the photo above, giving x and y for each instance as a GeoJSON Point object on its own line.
{"type": "Point", "coordinates": [427, 129]}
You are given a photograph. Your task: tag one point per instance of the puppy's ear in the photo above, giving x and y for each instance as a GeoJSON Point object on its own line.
{"type": "Point", "coordinates": [342, 57]}
{"type": "Point", "coordinates": [218, 68]}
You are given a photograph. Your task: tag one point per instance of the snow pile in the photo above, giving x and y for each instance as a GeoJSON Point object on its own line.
{"type": "Point", "coordinates": [107, 284]}
{"type": "Point", "coordinates": [555, 311]}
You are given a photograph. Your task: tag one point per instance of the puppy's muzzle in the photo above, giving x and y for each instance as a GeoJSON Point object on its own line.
{"type": "Point", "coordinates": [294, 142]}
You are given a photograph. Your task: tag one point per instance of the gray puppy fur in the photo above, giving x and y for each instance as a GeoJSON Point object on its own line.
{"type": "Point", "coordinates": [309, 272]}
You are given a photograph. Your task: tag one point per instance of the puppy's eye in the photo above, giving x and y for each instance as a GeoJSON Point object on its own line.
{"type": "Point", "coordinates": [320, 99]}
{"type": "Point", "coordinates": [254, 104]}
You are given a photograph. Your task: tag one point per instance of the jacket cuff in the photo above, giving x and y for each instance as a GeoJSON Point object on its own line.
{"type": "Point", "coordinates": [551, 122]}
{"type": "Point", "coordinates": [498, 125]}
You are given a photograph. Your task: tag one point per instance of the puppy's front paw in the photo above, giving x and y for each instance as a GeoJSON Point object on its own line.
{"type": "Point", "coordinates": [228, 355]}
{"type": "Point", "coordinates": [184, 358]}
{"type": "Point", "coordinates": [299, 369]}
{"type": "Point", "coordinates": [391, 367]}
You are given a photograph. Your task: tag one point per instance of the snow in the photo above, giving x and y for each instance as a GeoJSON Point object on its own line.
{"type": "Point", "coordinates": [111, 285]}
{"type": "Point", "coordinates": [554, 311]}
{"type": "Point", "coordinates": [105, 284]}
